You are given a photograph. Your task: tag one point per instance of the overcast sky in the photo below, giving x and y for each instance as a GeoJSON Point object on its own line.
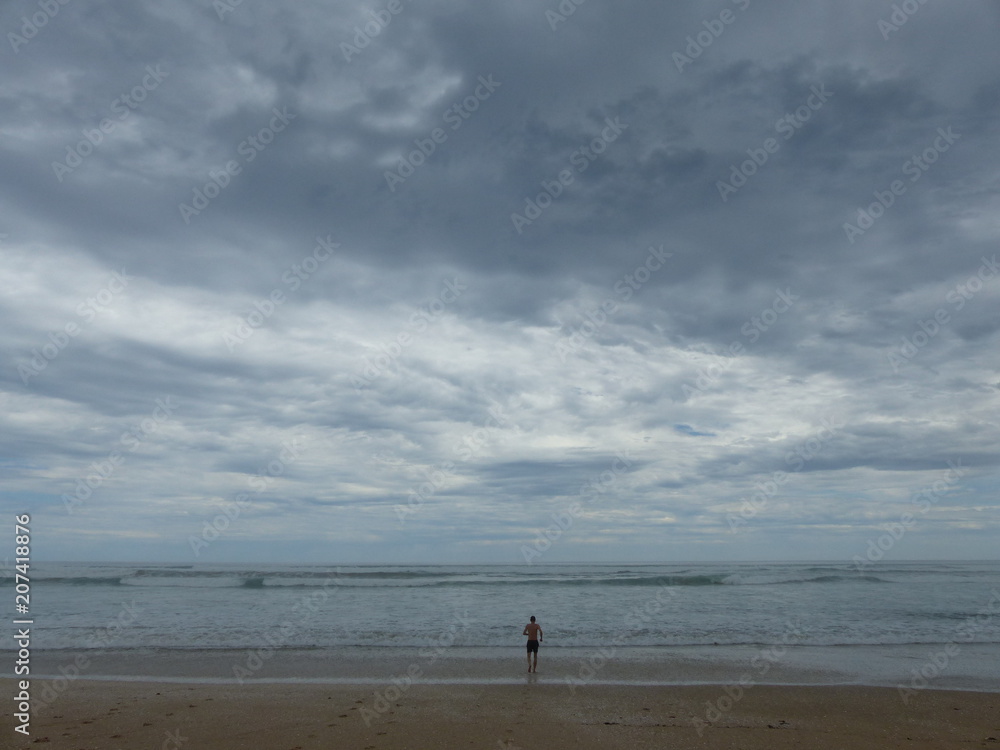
{"type": "Point", "coordinates": [412, 281]}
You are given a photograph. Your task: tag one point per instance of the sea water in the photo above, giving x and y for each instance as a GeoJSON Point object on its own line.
{"type": "Point", "coordinates": [872, 625]}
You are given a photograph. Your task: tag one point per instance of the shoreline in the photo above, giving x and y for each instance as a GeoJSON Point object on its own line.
{"type": "Point", "coordinates": [112, 715]}
{"type": "Point", "coordinates": [972, 669]}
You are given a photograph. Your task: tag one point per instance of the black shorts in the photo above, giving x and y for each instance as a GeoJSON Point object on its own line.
{"type": "Point", "coordinates": [532, 646]}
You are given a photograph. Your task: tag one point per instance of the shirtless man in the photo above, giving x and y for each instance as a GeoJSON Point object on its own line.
{"type": "Point", "coordinates": [534, 633]}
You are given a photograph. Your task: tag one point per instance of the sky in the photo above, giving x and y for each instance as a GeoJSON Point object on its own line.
{"type": "Point", "coordinates": [508, 282]}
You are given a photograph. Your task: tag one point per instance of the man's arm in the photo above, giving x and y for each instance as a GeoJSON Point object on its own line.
{"type": "Point", "coordinates": [525, 631]}
{"type": "Point", "coordinates": [540, 633]}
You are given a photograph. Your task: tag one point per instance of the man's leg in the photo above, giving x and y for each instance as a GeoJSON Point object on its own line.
{"type": "Point", "coordinates": [536, 661]}
{"type": "Point", "coordinates": [529, 661]}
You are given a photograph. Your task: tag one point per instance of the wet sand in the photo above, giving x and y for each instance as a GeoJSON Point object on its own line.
{"type": "Point", "coordinates": [106, 715]}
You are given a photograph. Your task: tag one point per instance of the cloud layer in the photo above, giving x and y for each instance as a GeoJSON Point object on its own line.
{"type": "Point", "coordinates": [413, 282]}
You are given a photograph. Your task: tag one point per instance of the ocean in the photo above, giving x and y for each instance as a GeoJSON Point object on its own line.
{"type": "Point", "coordinates": [827, 622]}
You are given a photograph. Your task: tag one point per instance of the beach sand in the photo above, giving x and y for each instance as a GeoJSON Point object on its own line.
{"type": "Point", "coordinates": [106, 715]}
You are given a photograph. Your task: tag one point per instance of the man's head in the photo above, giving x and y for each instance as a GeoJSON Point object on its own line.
{"type": "Point", "coordinates": [532, 618]}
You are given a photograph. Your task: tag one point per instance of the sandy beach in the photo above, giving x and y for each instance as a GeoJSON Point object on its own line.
{"type": "Point", "coordinates": [106, 715]}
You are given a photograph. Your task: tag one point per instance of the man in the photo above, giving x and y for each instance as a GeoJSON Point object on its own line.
{"type": "Point", "coordinates": [534, 633]}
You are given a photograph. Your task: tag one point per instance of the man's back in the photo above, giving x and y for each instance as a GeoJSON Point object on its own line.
{"type": "Point", "coordinates": [532, 630]}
